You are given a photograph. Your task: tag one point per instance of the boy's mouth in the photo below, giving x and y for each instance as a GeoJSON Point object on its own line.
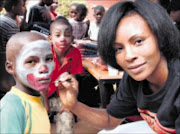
{"type": "Point", "coordinates": [44, 80]}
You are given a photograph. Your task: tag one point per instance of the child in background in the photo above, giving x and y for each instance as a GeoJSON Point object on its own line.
{"type": "Point", "coordinates": [40, 15]}
{"type": "Point", "coordinates": [67, 59]}
{"type": "Point", "coordinates": [8, 27]}
{"type": "Point", "coordinates": [72, 10]}
{"type": "Point", "coordinates": [80, 27]}
{"type": "Point", "coordinates": [53, 8]}
{"type": "Point", "coordinates": [94, 26]}
{"type": "Point", "coordinates": [22, 108]}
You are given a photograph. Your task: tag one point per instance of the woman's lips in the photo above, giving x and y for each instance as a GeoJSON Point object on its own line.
{"type": "Point", "coordinates": [136, 68]}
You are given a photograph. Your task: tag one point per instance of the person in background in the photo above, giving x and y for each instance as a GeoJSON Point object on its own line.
{"type": "Point", "coordinates": [8, 27]}
{"type": "Point", "coordinates": [72, 10]}
{"type": "Point", "coordinates": [145, 43]}
{"type": "Point", "coordinates": [174, 11]}
{"type": "Point", "coordinates": [1, 5]}
{"type": "Point", "coordinates": [39, 15]}
{"type": "Point", "coordinates": [66, 59]}
{"type": "Point", "coordinates": [22, 108]}
{"type": "Point", "coordinates": [53, 8]}
{"type": "Point", "coordinates": [99, 12]}
{"type": "Point", "coordinates": [80, 27]}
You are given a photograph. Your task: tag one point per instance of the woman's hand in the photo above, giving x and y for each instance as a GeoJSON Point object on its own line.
{"type": "Point", "coordinates": [68, 90]}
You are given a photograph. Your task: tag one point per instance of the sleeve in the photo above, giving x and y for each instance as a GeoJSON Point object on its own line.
{"type": "Point", "coordinates": [177, 122]}
{"type": "Point", "coordinates": [124, 103]}
{"type": "Point", "coordinates": [77, 67]}
{"type": "Point", "coordinates": [12, 115]}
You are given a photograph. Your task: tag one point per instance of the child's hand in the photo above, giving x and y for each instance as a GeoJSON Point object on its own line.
{"type": "Point", "coordinates": [68, 87]}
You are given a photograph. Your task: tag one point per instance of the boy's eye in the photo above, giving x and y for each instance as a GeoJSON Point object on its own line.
{"type": "Point", "coordinates": [30, 63]}
{"type": "Point", "coordinates": [67, 34]}
{"type": "Point", "coordinates": [49, 59]}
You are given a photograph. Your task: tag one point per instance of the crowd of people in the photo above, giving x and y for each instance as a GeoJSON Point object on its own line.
{"type": "Point", "coordinates": [42, 74]}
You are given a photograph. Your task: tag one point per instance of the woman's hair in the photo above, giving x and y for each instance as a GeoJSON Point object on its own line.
{"type": "Point", "coordinates": [161, 25]}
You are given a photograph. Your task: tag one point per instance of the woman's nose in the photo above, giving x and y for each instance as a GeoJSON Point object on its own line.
{"type": "Point", "coordinates": [130, 54]}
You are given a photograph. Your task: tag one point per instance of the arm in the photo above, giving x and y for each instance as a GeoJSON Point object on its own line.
{"type": "Point", "coordinates": [97, 117]}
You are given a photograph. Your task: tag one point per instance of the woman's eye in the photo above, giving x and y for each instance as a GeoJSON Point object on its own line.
{"type": "Point", "coordinates": [138, 42]}
{"type": "Point", "coordinates": [118, 49]}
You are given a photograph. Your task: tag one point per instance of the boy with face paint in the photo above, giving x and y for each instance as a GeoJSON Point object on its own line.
{"type": "Point", "coordinates": [66, 59]}
{"type": "Point", "coordinates": [22, 108]}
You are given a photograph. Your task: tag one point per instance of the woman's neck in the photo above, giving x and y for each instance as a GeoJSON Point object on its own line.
{"type": "Point", "coordinates": [159, 77]}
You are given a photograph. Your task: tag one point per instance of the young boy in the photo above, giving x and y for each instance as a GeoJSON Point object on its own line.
{"type": "Point", "coordinates": [22, 108]}
{"type": "Point", "coordinates": [94, 26]}
{"type": "Point", "coordinates": [80, 27]}
{"type": "Point", "coordinates": [67, 59]}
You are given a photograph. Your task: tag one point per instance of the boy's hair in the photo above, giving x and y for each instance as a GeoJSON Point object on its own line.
{"type": "Point", "coordinates": [82, 8]}
{"type": "Point", "coordinates": [161, 25]}
{"type": "Point", "coordinates": [61, 20]}
{"type": "Point", "coordinates": [16, 40]}
{"type": "Point", "coordinates": [99, 7]}
{"type": "Point", "coordinates": [8, 4]}
{"type": "Point", "coordinates": [74, 4]}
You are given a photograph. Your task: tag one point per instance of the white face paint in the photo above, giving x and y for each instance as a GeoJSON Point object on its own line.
{"type": "Point", "coordinates": [34, 65]}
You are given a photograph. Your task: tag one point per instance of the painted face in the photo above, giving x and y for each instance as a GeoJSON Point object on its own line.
{"type": "Point", "coordinates": [61, 38]}
{"type": "Point", "coordinates": [136, 48]}
{"type": "Point", "coordinates": [72, 11]}
{"type": "Point", "coordinates": [34, 65]}
{"type": "Point", "coordinates": [98, 15]}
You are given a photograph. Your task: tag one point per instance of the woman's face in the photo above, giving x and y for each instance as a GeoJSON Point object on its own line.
{"type": "Point", "coordinates": [136, 48]}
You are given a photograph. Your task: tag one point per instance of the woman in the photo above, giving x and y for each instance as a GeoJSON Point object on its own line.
{"type": "Point", "coordinates": [145, 43]}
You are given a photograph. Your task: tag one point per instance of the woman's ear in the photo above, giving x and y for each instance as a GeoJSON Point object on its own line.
{"type": "Point", "coordinates": [10, 67]}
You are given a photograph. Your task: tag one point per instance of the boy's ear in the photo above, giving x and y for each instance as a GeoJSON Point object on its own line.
{"type": "Point", "coordinates": [50, 38]}
{"type": "Point", "coordinates": [9, 67]}
{"type": "Point", "coordinates": [72, 39]}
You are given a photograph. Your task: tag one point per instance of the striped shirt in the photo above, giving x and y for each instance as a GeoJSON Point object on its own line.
{"type": "Point", "coordinates": [8, 27]}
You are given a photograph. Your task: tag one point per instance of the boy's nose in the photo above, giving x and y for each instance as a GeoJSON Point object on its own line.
{"type": "Point", "coordinates": [43, 69]}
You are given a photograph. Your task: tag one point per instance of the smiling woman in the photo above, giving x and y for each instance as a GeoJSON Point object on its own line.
{"type": "Point", "coordinates": [145, 43]}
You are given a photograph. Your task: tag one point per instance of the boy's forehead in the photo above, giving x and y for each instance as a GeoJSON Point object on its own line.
{"type": "Point", "coordinates": [31, 46]}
